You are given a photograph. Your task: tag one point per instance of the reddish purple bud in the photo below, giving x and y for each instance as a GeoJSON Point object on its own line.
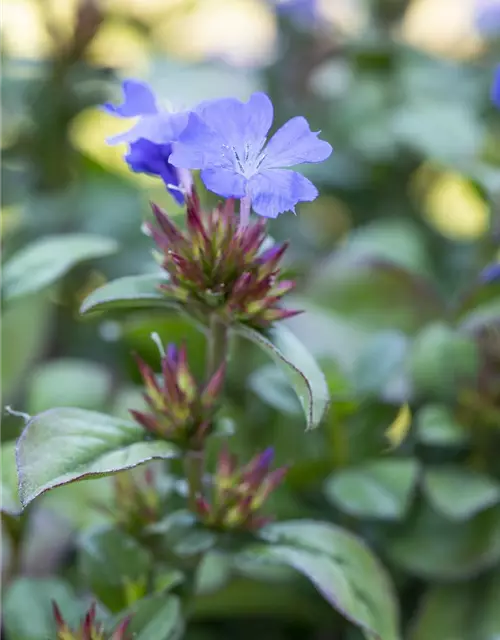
{"type": "Point", "coordinates": [213, 389]}
{"type": "Point", "coordinates": [121, 629]}
{"type": "Point", "coordinates": [273, 255]}
{"type": "Point", "coordinates": [168, 228]}
{"type": "Point", "coordinates": [57, 615]}
{"type": "Point", "coordinates": [225, 465]}
{"type": "Point", "coordinates": [172, 354]}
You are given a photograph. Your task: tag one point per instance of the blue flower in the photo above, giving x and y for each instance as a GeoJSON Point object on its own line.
{"type": "Point", "coordinates": [150, 138]}
{"type": "Point", "coordinates": [227, 140]}
{"type": "Point", "coordinates": [148, 157]}
{"type": "Point", "coordinates": [303, 11]}
{"type": "Point", "coordinates": [491, 273]}
{"type": "Point", "coordinates": [495, 89]}
{"type": "Point", "coordinates": [487, 17]}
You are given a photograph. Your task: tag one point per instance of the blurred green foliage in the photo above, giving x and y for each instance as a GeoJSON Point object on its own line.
{"type": "Point", "coordinates": [387, 259]}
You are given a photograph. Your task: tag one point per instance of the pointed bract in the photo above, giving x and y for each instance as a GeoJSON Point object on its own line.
{"type": "Point", "coordinates": [180, 410]}
{"type": "Point", "coordinates": [238, 494]}
{"type": "Point", "coordinates": [217, 266]}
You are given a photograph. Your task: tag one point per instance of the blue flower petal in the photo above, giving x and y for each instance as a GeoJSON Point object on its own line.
{"type": "Point", "coordinates": [294, 144]}
{"type": "Point", "coordinates": [300, 10]}
{"type": "Point", "coordinates": [495, 89]}
{"type": "Point", "coordinates": [224, 182]}
{"type": "Point", "coordinates": [243, 126]}
{"type": "Point", "coordinates": [200, 147]}
{"type": "Point", "coordinates": [161, 128]}
{"type": "Point", "coordinates": [490, 273]}
{"type": "Point", "coordinates": [138, 100]}
{"type": "Point", "coordinates": [152, 159]}
{"type": "Point", "coordinates": [275, 191]}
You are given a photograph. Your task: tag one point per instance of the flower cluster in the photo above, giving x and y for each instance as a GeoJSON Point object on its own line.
{"type": "Point", "coordinates": [238, 494]}
{"type": "Point", "coordinates": [226, 140]}
{"type": "Point", "coordinates": [180, 411]}
{"type": "Point", "coordinates": [217, 266]}
{"type": "Point", "coordinates": [89, 629]}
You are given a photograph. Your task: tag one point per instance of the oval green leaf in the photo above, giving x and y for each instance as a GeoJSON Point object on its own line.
{"type": "Point", "coordinates": [35, 595]}
{"type": "Point", "coordinates": [113, 565]}
{"type": "Point", "coordinates": [436, 548]}
{"type": "Point", "coordinates": [460, 611]}
{"type": "Point", "coordinates": [459, 493]}
{"type": "Point", "coordinates": [130, 292]}
{"type": "Point", "coordinates": [379, 362]}
{"type": "Point", "coordinates": [377, 489]}
{"type": "Point", "coordinates": [63, 445]}
{"type": "Point", "coordinates": [438, 427]}
{"type": "Point", "coordinates": [299, 366]}
{"type": "Point", "coordinates": [155, 617]}
{"type": "Point", "coordinates": [46, 260]}
{"type": "Point", "coordinates": [339, 565]}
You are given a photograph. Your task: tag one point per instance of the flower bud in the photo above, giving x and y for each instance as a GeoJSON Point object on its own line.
{"type": "Point", "coordinates": [238, 494]}
{"type": "Point", "coordinates": [180, 410]}
{"type": "Point", "coordinates": [217, 265]}
{"type": "Point", "coordinates": [138, 499]}
{"type": "Point", "coordinates": [89, 629]}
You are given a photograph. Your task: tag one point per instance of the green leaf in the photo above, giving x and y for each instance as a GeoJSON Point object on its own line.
{"type": "Point", "coordinates": [27, 607]}
{"type": "Point", "coordinates": [381, 359]}
{"type": "Point", "coordinates": [480, 307]}
{"type": "Point", "coordinates": [377, 489]}
{"type": "Point", "coordinates": [358, 291]}
{"type": "Point", "coordinates": [298, 365]}
{"type": "Point", "coordinates": [63, 445]}
{"type": "Point", "coordinates": [435, 548]}
{"type": "Point", "coordinates": [25, 325]}
{"type": "Point", "coordinates": [441, 358]}
{"type": "Point", "coordinates": [131, 292]}
{"type": "Point", "coordinates": [437, 426]}
{"type": "Point", "coordinates": [339, 565]}
{"type": "Point", "coordinates": [114, 565]}
{"type": "Point", "coordinates": [460, 612]}
{"type": "Point", "coordinates": [156, 617]}
{"type": "Point", "coordinates": [46, 260]}
{"type": "Point", "coordinates": [460, 493]}
{"type": "Point", "coordinates": [68, 382]}
{"type": "Point", "coordinates": [9, 491]}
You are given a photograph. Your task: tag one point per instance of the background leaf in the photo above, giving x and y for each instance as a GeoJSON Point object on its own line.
{"type": "Point", "coordinates": [460, 493]}
{"type": "Point", "coordinates": [68, 382]}
{"type": "Point", "coordinates": [46, 260]}
{"type": "Point", "coordinates": [35, 595]}
{"type": "Point", "coordinates": [462, 612]}
{"type": "Point", "coordinates": [435, 548]}
{"type": "Point", "coordinates": [157, 617]}
{"type": "Point", "coordinates": [114, 565]}
{"type": "Point", "coordinates": [376, 489]}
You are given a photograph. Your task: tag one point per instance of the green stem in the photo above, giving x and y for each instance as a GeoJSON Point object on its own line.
{"type": "Point", "coordinates": [194, 460]}
{"type": "Point", "coordinates": [194, 467]}
{"type": "Point", "coordinates": [217, 345]}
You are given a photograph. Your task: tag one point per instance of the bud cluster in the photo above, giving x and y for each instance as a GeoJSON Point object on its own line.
{"type": "Point", "coordinates": [239, 493]}
{"type": "Point", "coordinates": [89, 629]}
{"type": "Point", "coordinates": [220, 266]}
{"type": "Point", "coordinates": [137, 499]}
{"type": "Point", "coordinates": [181, 411]}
